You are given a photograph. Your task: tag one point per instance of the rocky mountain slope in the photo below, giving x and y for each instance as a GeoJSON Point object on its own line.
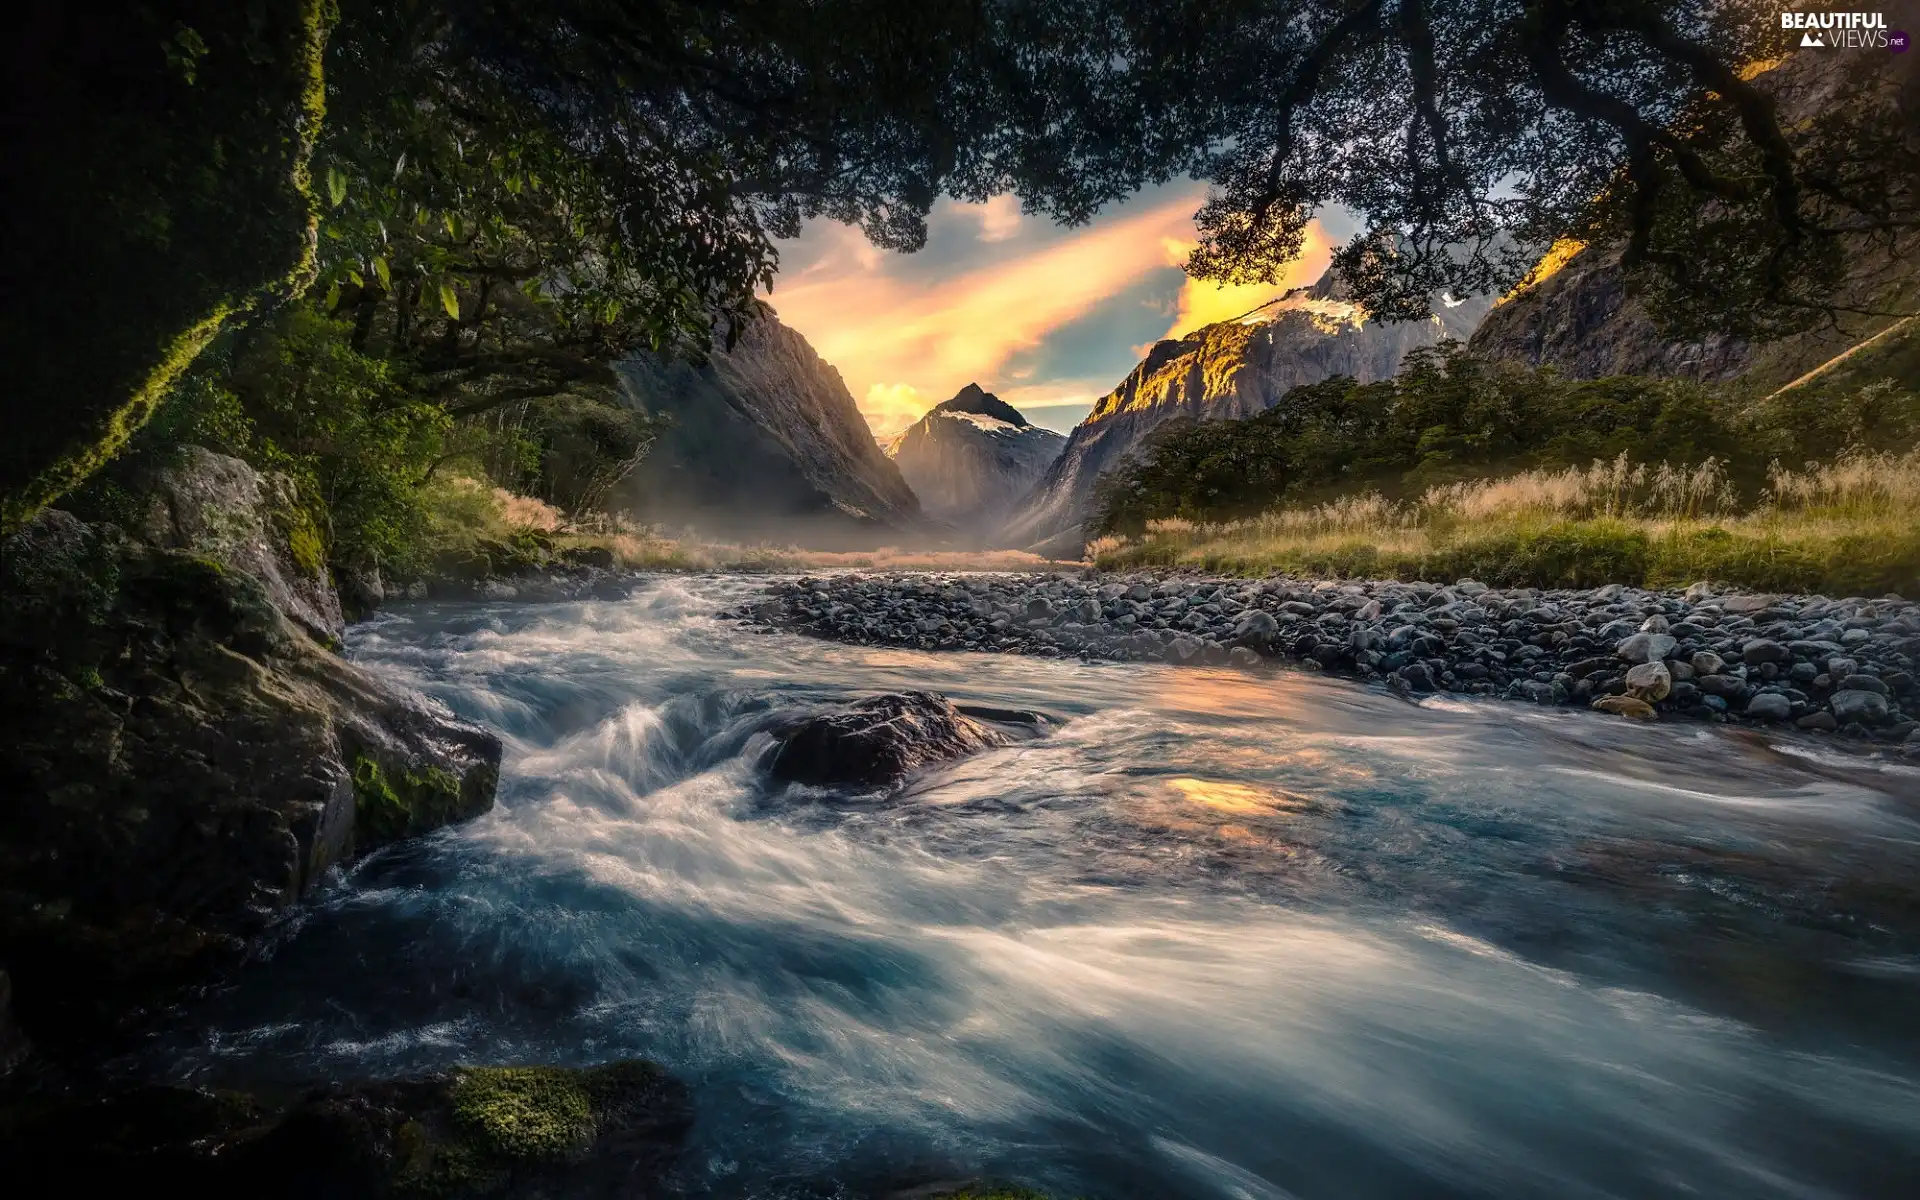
{"type": "Point", "coordinates": [1233, 369]}
{"type": "Point", "coordinates": [765, 441]}
{"type": "Point", "coordinates": [973, 457]}
{"type": "Point", "coordinates": [1580, 316]}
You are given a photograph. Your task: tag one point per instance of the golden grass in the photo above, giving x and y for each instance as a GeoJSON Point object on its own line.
{"type": "Point", "coordinates": [1848, 526]}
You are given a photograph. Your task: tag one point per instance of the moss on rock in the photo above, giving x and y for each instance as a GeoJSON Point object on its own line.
{"type": "Point", "coordinates": [578, 1132]}
{"type": "Point", "coordinates": [392, 805]}
{"type": "Point", "coordinates": [529, 1114]}
{"type": "Point", "coordinates": [165, 191]}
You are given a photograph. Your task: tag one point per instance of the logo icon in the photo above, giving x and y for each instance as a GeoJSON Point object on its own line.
{"type": "Point", "coordinates": [1812, 39]}
{"type": "Point", "coordinates": [1897, 41]}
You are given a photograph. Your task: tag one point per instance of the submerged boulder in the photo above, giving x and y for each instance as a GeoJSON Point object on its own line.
{"type": "Point", "coordinates": [883, 739]}
{"type": "Point", "coordinates": [610, 1130]}
{"type": "Point", "coordinates": [182, 762]}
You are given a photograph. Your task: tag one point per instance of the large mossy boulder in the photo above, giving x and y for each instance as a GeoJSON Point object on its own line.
{"type": "Point", "coordinates": [580, 1132]}
{"type": "Point", "coordinates": [157, 188]}
{"type": "Point", "coordinates": [181, 763]}
{"type": "Point", "coordinates": [219, 507]}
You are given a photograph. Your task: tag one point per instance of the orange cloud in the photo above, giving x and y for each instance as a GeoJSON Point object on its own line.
{"type": "Point", "coordinates": [904, 346]}
{"type": "Point", "coordinates": [1203, 303]}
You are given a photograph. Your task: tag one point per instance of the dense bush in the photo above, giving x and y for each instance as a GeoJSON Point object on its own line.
{"type": "Point", "coordinates": [369, 453]}
{"type": "Point", "coordinates": [1449, 416]}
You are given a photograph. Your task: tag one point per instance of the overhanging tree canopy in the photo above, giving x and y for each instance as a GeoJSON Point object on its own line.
{"type": "Point", "coordinates": [512, 193]}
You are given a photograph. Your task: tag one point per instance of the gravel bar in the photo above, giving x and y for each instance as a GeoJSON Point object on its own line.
{"type": "Point", "coordinates": [1821, 665]}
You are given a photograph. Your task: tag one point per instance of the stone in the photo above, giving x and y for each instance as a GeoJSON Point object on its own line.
{"type": "Point", "coordinates": [1646, 647]}
{"type": "Point", "coordinates": [1243, 658]}
{"type": "Point", "coordinates": [1255, 624]}
{"type": "Point", "coordinates": [880, 740]}
{"type": "Point", "coordinates": [1764, 650]}
{"type": "Point", "coordinates": [221, 508]}
{"type": "Point", "coordinates": [1649, 681]}
{"type": "Point", "coordinates": [615, 1129]}
{"type": "Point", "coordinates": [162, 691]}
{"type": "Point", "coordinates": [1769, 706]}
{"type": "Point", "coordinates": [1867, 708]}
{"type": "Point", "coordinates": [1417, 676]}
{"type": "Point", "coordinates": [1819, 722]}
{"type": "Point", "coordinates": [1625, 706]}
{"type": "Point", "coordinates": [1747, 605]}
{"type": "Point", "coordinates": [1862, 683]}
{"type": "Point", "coordinates": [1706, 662]}
{"type": "Point", "coordinates": [1654, 624]}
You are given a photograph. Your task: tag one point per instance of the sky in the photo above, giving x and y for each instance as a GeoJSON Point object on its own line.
{"type": "Point", "coordinates": [1049, 319]}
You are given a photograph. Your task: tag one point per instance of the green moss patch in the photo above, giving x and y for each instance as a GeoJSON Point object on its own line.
{"type": "Point", "coordinates": [527, 1114]}
{"type": "Point", "coordinates": [388, 806]}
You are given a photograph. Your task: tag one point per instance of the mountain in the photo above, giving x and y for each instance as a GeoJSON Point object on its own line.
{"type": "Point", "coordinates": [765, 442]}
{"type": "Point", "coordinates": [973, 457]}
{"type": "Point", "coordinates": [1578, 314]}
{"type": "Point", "coordinates": [1232, 369]}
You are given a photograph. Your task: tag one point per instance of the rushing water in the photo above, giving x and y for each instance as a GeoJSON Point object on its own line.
{"type": "Point", "coordinates": [1220, 936]}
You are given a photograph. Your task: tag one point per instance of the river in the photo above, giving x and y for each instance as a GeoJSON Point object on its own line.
{"type": "Point", "coordinates": [1221, 935]}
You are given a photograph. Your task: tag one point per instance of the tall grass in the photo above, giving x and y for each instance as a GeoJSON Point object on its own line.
{"type": "Point", "coordinates": [1850, 526]}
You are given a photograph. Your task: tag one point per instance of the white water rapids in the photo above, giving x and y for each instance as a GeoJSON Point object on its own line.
{"type": "Point", "coordinates": [1220, 936]}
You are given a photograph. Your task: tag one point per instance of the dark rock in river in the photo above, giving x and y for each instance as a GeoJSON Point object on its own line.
{"type": "Point", "coordinates": [884, 739]}
{"type": "Point", "coordinates": [603, 1131]}
{"type": "Point", "coordinates": [182, 762]}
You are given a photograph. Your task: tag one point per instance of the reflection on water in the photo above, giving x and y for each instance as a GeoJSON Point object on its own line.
{"type": "Point", "coordinates": [1219, 936]}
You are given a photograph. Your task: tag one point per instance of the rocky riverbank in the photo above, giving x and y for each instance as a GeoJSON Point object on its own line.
{"type": "Point", "coordinates": [1817, 664]}
{"type": "Point", "coordinates": [185, 755]}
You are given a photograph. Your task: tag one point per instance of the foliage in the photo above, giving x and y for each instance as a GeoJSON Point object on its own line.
{"type": "Point", "coordinates": [1845, 529]}
{"type": "Point", "coordinates": [157, 188]}
{"type": "Point", "coordinates": [1472, 136]}
{"type": "Point", "coordinates": [1448, 416]}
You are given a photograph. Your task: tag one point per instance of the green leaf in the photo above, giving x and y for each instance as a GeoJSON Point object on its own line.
{"type": "Point", "coordinates": [354, 274]}
{"type": "Point", "coordinates": [450, 301]}
{"type": "Point", "coordinates": [336, 186]}
{"type": "Point", "coordinates": [381, 269]}
{"type": "Point", "coordinates": [333, 295]}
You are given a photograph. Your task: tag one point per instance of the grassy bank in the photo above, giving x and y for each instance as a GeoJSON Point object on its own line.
{"type": "Point", "coordinates": [1849, 528]}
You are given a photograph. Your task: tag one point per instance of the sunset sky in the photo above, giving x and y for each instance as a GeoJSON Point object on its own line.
{"type": "Point", "coordinates": [1050, 319]}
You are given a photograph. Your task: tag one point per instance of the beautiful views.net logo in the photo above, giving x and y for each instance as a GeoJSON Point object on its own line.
{"type": "Point", "coordinates": [1845, 30]}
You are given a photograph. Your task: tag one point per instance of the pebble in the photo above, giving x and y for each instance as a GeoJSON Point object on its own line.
{"type": "Point", "coordinates": [1703, 654]}
{"type": "Point", "coordinates": [1647, 647]}
{"type": "Point", "coordinates": [1770, 706]}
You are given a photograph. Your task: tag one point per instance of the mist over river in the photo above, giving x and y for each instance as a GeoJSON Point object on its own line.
{"type": "Point", "coordinates": [1220, 935]}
